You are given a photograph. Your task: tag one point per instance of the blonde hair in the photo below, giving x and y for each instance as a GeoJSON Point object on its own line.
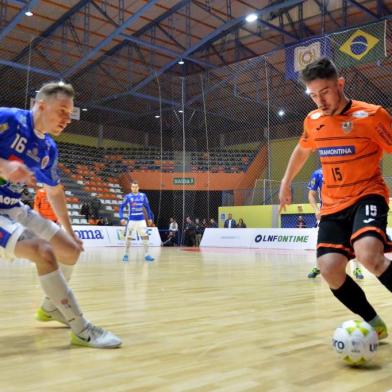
{"type": "Point", "coordinates": [51, 89]}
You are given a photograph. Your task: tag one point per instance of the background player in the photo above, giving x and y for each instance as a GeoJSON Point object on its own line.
{"type": "Point", "coordinates": [137, 203]}
{"type": "Point", "coordinates": [314, 195]}
{"type": "Point", "coordinates": [42, 205]}
{"type": "Point", "coordinates": [26, 150]}
{"type": "Point", "coordinates": [350, 137]}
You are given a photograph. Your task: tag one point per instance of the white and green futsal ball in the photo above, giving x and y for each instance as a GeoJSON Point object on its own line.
{"type": "Point", "coordinates": [355, 342]}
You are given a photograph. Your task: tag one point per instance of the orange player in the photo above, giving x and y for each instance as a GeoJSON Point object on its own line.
{"type": "Point", "coordinates": [350, 137]}
{"type": "Point", "coordinates": [42, 205]}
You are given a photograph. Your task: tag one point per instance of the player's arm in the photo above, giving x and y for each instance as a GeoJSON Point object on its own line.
{"type": "Point", "coordinates": [382, 122]}
{"type": "Point", "coordinates": [123, 205]}
{"type": "Point", "coordinates": [14, 171]}
{"type": "Point", "coordinates": [58, 202]}
{"type": "Point", "coordinates": [312, 197]}
{"type": "Point", "coordinates": [297, 160]}
{"type": "Point", "coordinates": [147, 207]}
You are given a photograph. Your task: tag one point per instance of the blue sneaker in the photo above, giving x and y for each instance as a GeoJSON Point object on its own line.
{"type": "Point", "coordinates": [125, 258]}
{"type": "Point", "coordinates": [148, 258]}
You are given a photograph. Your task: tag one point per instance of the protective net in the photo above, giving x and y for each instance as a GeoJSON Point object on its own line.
{"type": "Point", "coordinates": [195, 139]}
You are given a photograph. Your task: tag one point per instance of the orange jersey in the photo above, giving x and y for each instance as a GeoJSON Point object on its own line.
{"type": "Point", "coordinates": [350, 146]}
{"type": "Point", "coordinates": [42, 206]}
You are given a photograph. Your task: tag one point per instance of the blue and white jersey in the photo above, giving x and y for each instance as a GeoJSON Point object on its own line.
{"type": "Point", "coordinates": [135, 203]}
{"type": "Point", "coordinates": [19, 142]}
{"type": "Point", "coordinates": [316, 182]}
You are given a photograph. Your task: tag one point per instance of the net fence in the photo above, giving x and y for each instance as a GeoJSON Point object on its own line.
{"type": "Point", "coordinates": [194, 139]}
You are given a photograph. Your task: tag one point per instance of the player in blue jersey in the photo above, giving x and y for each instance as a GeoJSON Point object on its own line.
{"type": "Point", "coordinates": [315, 186]}
{"type": "Point", "coordinates": [28, 153]}
{"type": "Point", "coordinates": [137, 203]}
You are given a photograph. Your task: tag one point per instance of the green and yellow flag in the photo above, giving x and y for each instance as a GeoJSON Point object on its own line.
{"type": "Point", "coordinates": [360, 46]}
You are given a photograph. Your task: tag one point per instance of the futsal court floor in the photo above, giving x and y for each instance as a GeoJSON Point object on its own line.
{"type": "Point", "coordinates": [193, 320]}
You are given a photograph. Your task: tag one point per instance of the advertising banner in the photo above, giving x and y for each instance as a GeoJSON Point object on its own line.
{"type": "Point", "coordinates": [95, 236]}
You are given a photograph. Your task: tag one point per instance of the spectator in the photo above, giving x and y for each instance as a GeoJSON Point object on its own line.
{"type": "Point", "coordinates": [95, 207]}
{"type": "Point", "coordinates": [213, 224]}
{"type": "Point", "coordinates": [198, 231]}
{"type": "Point", "coordinates": [230, 223]}
{"type": "Point", "coordinates": [241, 224]}
{"type": "Point", "coordinates": [86, 210]}
{"type": "Point", "coordinates": [173, 225]}
{"type": "Point", "coordinates": [171, 236]}
{"type": "Point", "coordinates": [189, 232]}
{"type": "Point", "coordinates": [301, 222]}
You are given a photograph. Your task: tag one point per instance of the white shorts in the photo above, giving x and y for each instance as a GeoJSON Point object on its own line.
{"type": "Point", "coordinates": [139, 226]}
{"type": "Point", "coordinates": [19, 222]}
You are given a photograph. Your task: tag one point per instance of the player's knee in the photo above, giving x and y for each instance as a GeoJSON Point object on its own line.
{"type": "Point", "coordinates": [330, 271]}
{"type": "Point", "coordinates": [45, 253]}
{"type": "Point", "coordinates": [71, 254]}
{"type": "Point", "coordinates": [373, 261]}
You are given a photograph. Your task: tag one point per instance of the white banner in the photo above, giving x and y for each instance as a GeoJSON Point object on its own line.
{"type": "Point", "coordinates": [260, 238]}
{"type": "Point", "coordinates": [96, 236]}
{"type": "Point", "coordinates": [226, 238]}
{"type": "Point", "coordinates": [284, 239]}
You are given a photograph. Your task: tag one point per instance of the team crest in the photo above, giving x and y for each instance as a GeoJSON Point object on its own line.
{"type": "Point", "coordinates": [360, 114]}
{"type": "Point", "coordinates": [44, 162]}
{"type": "Point", "coordinates": [315, 116]}
{"type": "Point", "coordinates": [347, 126]}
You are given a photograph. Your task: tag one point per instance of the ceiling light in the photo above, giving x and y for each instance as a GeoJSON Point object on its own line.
{"type": "Point", "coordinates": [157, 116]}
{"type": "Point", "coordinates": [84, 110]}
{"type": "Point", "coordinates": [180, 111]}
{"type": "Point", "coordinates": [307, 91]}
{"type": "Point", "coordinates": [61, 83]}
{"type": "Point", "coordinates": [181, 62]}
{"type": "Point", "coordinates": [281, 113]}
{"type": "Point", "coordinates": [251, 18]}
{"type": "Point", "coordinates": [29, 13]}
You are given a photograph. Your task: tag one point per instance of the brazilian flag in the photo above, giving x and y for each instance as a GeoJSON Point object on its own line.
{"type": "Point", "coordinates": [360, 46]}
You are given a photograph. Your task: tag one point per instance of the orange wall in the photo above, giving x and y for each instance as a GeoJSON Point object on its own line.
{"type": "Point", "coordinates": [151, 180]}
{"type": "Point", "coordinates": [254, 172]}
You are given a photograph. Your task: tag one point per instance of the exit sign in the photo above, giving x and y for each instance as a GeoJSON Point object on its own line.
{"type": "Point", "coordinates": [184, 181]}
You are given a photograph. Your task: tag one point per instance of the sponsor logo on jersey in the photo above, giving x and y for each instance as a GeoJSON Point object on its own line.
{"type": "Point", "coordinates": [360, 114]}
{"type": "Point", "coordinates": [336, 151]}
{"type": "Point", "coordinates": [9, 201]}
{"type": "Point", "coordinates": [347, 126]}
{"type": "Point", "coordinates": [33, 154]}
{"type": "Point", "coordinates": [3, 127]}
{"type": "Point", "coordinates": [315, 116]}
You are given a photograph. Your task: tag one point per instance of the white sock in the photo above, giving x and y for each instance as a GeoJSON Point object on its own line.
{"type": "Point", "coordinates": [145, 245]}
{"type": "Point", "coordinates": [66, 269]}
{"type": "Point", "coordinates": [56, 288]}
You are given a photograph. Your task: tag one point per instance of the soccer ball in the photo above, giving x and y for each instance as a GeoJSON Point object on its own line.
{"type": "Point", "coordinates": [355, 342]}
